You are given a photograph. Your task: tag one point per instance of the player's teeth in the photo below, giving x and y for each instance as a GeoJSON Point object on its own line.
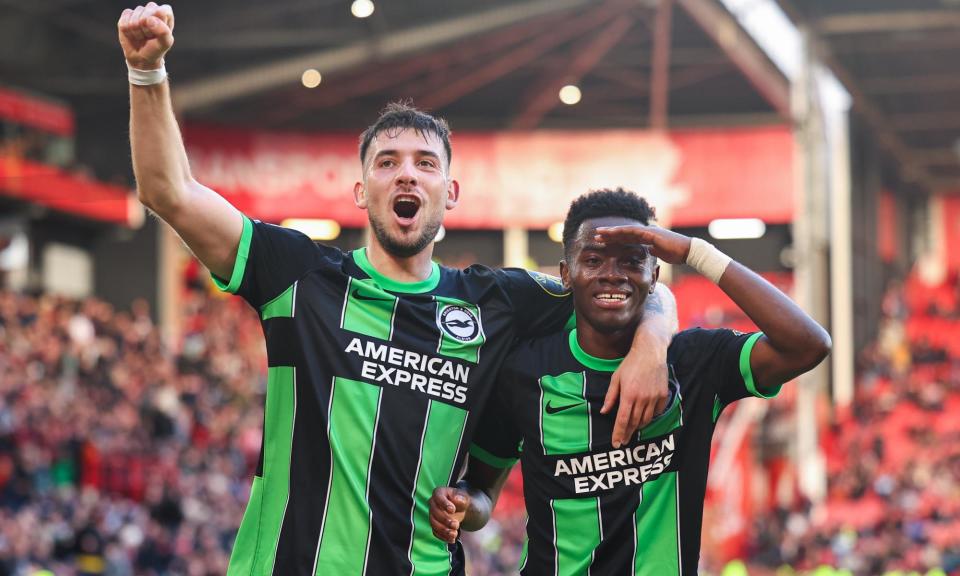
{"type": "Point", "coordinates": [612, 296]}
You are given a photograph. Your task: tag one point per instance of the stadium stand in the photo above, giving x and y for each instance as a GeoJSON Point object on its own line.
{"type": "Point", "coordinates": [893, 459]}
{"type": "Point", "coordinates": [160, 486]}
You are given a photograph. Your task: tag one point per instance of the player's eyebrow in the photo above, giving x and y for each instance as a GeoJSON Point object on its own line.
{"type": "Point", "coordinates": [421, 152]}
{"type": "Point", "coordinates": [594, 246]}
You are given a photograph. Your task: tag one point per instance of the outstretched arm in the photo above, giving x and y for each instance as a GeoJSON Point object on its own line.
{"type": "Point", "coordinates": [467, 506]}
{"type": "Point", "coordinates": [793, 343]}
{"type": "Point", "coordinates": [208, 224]}
{"type": "Point", "coordinates": [640, 383]}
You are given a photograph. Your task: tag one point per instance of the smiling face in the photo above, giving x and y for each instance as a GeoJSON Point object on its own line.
{"type": "Point", "coordinates": [405, 189]}
{"type": "Point", "coordinates": [610, 283]}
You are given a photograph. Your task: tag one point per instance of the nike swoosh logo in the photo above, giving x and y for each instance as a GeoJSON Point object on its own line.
{"type": "Point", "coordinates": [553, 410]}
{"type": "Point", "coordinates": [358, 296]}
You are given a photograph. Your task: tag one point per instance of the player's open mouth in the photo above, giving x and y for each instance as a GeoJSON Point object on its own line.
{"type": "Point", "coordinates": [611, 299]}
{"type": "Point", "coordinates": [405, 208]}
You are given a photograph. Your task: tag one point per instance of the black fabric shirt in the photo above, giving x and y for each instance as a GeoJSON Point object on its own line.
{"type": "Point", "coordinates": [594, 509]}
{"type": "Point", "coordinates": [373, 391]}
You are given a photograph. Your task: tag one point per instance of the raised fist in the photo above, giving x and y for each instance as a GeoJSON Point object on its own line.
{"type": "Point", "coordinates": [146, 34]}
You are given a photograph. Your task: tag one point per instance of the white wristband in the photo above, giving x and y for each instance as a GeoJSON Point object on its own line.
{"type": "Point", "coordinates": [707, 260]}
{"type": "Point", "coordinates": [139, 77]}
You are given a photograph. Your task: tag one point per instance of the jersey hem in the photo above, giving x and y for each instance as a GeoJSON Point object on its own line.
{"type": "Point", "coordinates": [488, 458]}
{"type": "Point", "coordinates": [747, 372]}
{"type": "Point", "coordinates": [240, 264]}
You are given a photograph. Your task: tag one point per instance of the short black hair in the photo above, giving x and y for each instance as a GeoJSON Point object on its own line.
{"type": "Point", "coordinates": [400, 116]}
{"type": "Point", "coordinates": [603, 203]}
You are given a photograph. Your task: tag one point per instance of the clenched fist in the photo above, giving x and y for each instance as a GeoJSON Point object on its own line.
{"type": "Point", "coordinates": [146, 34]}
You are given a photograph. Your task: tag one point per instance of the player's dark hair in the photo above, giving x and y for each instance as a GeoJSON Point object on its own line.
{"type": "Point", "coordinates": [400, 116]}
{"type": "Point", "coordinates": [600, 204]}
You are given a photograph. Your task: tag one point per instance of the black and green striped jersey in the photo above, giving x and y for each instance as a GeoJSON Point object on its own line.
{"type": "Point", "coordinates": [593, 509]}
{"type": "Point", "coordinates": [373, 391]}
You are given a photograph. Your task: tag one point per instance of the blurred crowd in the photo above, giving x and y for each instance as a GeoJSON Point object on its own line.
{"type": "Point", "coordinates": [118, 457]}
{"type": "Point", "coordinates": [893, 458]}
{"type": "Point", "coordinates": [121, 456]}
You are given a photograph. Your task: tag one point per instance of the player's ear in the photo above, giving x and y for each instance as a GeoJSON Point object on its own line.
{"type": "Point", "coordinates": [655, 277]}
{"type": "Point", "coordinates": [565, 274]}
{"type": "Point", "coordinates": [360, 195]}
{"type": "Point", "coordinates": [453, 193]}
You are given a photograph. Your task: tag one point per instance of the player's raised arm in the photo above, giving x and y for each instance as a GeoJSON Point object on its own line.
{"type": "Point", "coordinates": [793, 342]}
{"type": "Point", "coordinates": [209, 225]}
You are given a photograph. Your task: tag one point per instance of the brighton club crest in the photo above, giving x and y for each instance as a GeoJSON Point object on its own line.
{"type": "Point", "coordinates": [459, 323]}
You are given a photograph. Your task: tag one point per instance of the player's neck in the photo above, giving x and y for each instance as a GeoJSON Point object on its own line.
{"type": "Point", "coordinates": [605, 345]}
{"type": "Point", "coordinates": [412, 269]}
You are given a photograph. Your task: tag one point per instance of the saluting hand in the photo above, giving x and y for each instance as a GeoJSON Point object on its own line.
{"type": "Point", "coordinates": [146, 34]}
{"type": "Point", "coordinates": [664, 244]}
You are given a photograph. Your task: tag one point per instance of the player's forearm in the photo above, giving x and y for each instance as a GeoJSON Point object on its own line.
{"type": "Point", "coordinates": [159, 158]}
{"type": "Point", "coordinates": [659, 322]}
{"type": "Point", "coordinates": [479, 510]}
{"type": "Point", "coordinates": [789, 330]}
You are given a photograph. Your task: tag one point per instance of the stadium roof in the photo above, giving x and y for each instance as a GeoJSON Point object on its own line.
{"type": "Point", "coordinates": [900, 61]}
{"type": "Point", "coordinates": [492, 64]}
{"type": "Point", "coordinates": [500, 63]}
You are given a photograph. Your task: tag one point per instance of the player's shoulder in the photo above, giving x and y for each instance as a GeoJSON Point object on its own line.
{"type": "Point", "coordinates": [535, 357]}
{"type": "Point", "coordinates": [292, 239]}
{"type": "Point", "coordinates": [700, 342]}
{"type": "Point", "coordinates": [548, 283]}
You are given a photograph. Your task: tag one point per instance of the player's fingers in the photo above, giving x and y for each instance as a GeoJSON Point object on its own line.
{"type": "Point", "coordinates": [442, 519]}
{"type": "Point", "coordinates": [640, 417]}
{"type": "Point", "coordinates": [135, 17]}
{"type": "Point", "coordinates": [147, 28]}
{"type": "Point", "coordinates": [620, 425]}
{"type": "Point", "coordinates": [661, 405]}
{"type": "Point", "coordinates": [442, 530]}
{"type": "Point", "coordinates": [613, 393]}
{"type": "Point", "coordinates": [625, 233]}
{"type": "Point", "coordinates": [442, 498]}
{"type": "Point", "coordinates": [146, 18]}
{"type": "Point", "coordinates": [124, 18]}
{"type": "Point", "coordinates": [460, 502]}
{"type": "Point", "coordinates": [135, 23]}
{"type": "Point", "coordinates": [165, 13]}
{"type": "Point", "coordinates": [438, 529]}
{"type": "Point", "coordinates": [156, 28]}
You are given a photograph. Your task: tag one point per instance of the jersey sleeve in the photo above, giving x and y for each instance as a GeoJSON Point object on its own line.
{"type": "Point", "coordinates": [271, 258]}
{"type": "Point", "coordinates": [496, 441]}
{"type": "Point", "coordinates": [541, 305]}
{"type": "Point", "coordinates": [723, 357]}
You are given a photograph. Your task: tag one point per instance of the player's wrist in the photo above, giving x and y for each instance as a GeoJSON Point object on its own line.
{"type": "Point", "coordinates": [146, 73]}
{"type": "Point", "coordinates": [706, 259]}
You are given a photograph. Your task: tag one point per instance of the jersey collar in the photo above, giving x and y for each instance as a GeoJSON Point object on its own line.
{"type": "Point", "coordinates": [591, 362]}
{"type": "Point", "coordinates": [360, 257]}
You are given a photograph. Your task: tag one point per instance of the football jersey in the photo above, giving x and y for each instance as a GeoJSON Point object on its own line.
{"type": "Point", "coordinates": [594, 509]}
{"type": "Point", "coordinates": [373, 390]}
